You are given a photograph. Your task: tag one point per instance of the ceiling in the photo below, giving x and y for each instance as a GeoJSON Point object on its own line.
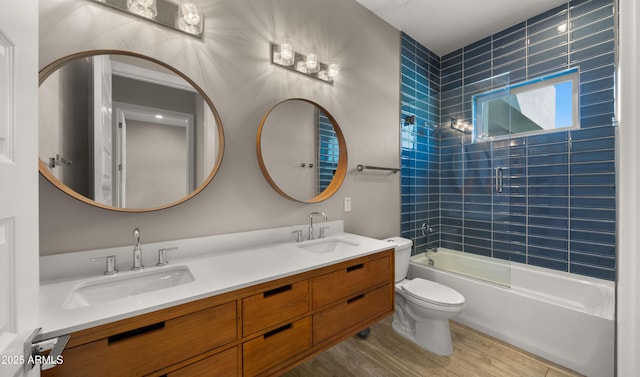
{"type": "Point", "coordinates": [444, 26]}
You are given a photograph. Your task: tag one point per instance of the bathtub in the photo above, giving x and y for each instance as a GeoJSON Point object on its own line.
{"type": "Point", "coordinates": [561, 317]}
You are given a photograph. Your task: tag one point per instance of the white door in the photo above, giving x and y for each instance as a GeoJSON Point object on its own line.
{"type": "Point", "coordinates": [18, 183]}
{"type": "Point", "coordinates": [102, 131]}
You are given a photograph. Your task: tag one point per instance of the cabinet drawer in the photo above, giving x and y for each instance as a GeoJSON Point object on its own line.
{"type": "Point", "coordinates": [357, 277]}
{"type": "Point", "coordinates": [350, 312]}
{"type": "Point", "coordinates": [274, 306]}
{"type": "Point", "coordinates": [223, 364]}
{"type": "Point", "coordinates": [152, 347]}
{"type": "Point", "coordinates": [275, 347]}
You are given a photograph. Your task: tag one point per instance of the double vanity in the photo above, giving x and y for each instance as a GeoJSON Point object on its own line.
{"type": "Point", "coordinates": [245, 304]}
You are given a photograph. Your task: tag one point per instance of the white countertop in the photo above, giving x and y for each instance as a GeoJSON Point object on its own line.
{"type": "Point", "coordinates": [217, 272]}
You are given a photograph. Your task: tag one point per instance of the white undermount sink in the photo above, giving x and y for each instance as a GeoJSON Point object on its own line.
{"type": "Point", "coordinates": [132, 284]}
{"type": "Point", "coordinates": [328, 245]}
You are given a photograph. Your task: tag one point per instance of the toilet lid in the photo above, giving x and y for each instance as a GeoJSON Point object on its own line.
{"type": "Point", "coordinates": [433, 292]}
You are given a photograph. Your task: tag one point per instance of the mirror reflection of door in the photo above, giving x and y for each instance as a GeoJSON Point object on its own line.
{"type": "Point", "coordinates": [84, 152]}
{"type": "Point", "coordinates": [102, 121]}
{"type": "Point", "coordinates": [154, 164]}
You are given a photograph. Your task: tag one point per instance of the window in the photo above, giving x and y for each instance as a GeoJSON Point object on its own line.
{"type": "Point", "coordinates": [545, 104]}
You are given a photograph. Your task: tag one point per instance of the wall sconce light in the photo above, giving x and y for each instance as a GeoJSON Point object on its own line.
{"type": "Point", "coordinates": [182, 16]}
{"type": "Point", "coordinates": [143, 8]}
{"type": "Point", "coordinates": [461, 126]}
{"type": "Point", "coordinates": [285, 56]}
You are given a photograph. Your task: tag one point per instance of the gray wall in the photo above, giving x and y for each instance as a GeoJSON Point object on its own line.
{"type": "Point", "coordinates": [231, 64]}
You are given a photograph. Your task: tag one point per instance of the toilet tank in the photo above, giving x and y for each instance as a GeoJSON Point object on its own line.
{"type": "Point", "coordinates": [402, 255]}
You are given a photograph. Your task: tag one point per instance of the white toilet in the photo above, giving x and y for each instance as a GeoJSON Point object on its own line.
{"type": "Point", "coordinates": [423, 307]}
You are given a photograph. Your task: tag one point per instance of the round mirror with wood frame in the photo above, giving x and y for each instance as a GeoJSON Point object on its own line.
{"type": "Point", "coordinates": [126, 132]}
{"type": "Point", "coordinates": [302, 151]}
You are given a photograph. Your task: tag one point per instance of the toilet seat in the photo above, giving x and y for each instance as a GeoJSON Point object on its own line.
{"type": "Point", "coordinates": [432, 292]}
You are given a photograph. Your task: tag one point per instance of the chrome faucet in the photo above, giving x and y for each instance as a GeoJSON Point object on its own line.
{"type": "Point", "coordinates": [311, 222]}
{"type": "Point", "coordinates": [426, 231]}
{"type": "Point", "coordinates": [137, 251]}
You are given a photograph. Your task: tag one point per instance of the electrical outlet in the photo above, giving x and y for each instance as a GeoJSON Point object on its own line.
{"type": "Point", "coordinates": [347, 204]}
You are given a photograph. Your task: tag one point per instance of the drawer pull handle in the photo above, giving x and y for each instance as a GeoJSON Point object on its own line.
{"type": "Point", "coordinates": [275, 291]}
{"type": "Point", "coordinates": [136, 332]}
{"type": "Point", "coordinates": [349, 301]}
{"type": "Point", "coordinates": [355, 267]}
{"type": "Point", "coordinates": [278, 330]}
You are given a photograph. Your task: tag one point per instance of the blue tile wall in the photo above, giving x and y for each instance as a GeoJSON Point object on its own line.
{"type": "Point", "coordinates": [557, 206]}
{"type": "Point", "coordinates": [420, 115]}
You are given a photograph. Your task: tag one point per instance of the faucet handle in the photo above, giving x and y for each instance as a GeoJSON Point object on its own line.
{"type": "Point", "coordinates": [162, 256]}
{"type": "Point", "coordinates": [322, 228]}
{"type": "Point", "coordinates": [111, 264]}
{"type": "Point", "coordinates": [298, 234]}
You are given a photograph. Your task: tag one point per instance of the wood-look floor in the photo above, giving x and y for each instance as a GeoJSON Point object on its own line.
{"type": "Point", "coordinates": [386, 354]}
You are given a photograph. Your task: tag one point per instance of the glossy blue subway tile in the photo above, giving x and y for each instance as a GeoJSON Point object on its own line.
{"type": "Point", "coordinates": [592, 51]}
{"type": "Point", "coordinates": [597, 73]}
{"type": "Point", "coordinates": [548, 263]}
{"type": "Point", "coordinates": [593, 40]}
{"type": "Point", "coordinates": [593, 167]}
{"type": "Point", "coordinates": [600, 191]}
{"type": "Point", "coordinates": [549, 159]}
{"type": "Point", "coordinates": [597, 97]}
{"type": "Point", "coordinates": [559, 222]}
{"type": "Point", "coordinates": [549, 66]}
{"type": "Point", "coordinates": [541, 58]}
{"type": "Point", "coordinates": [546, 232]}
{"type": "Point", "coordinates": [558, 212]}
{"type": "Point", "coordinates": [593, 144]}
{"type": "Point", "coordinates": [547, 138]}
{"type": "Point", "coordinates": [471, 62]}
{"type": "Point", "coordinates": [600, 273]}
{"type": "Point", "coordinates": [548, 18]}
{"type": "Point", "coordinates": [546, 201]}
{"type": "Point", "coordinates": [579, 8]}
{"type": "Point", "coordinates": [593, 156]}
{"type": "Point", "coordinates": [593, 179]}
{"type": "Point", "coordinates": [548, 180]}
{"type": "Point", "coordinates": [546, 149]}
{"type": "Point", "coordinates": [593, 225]}
{"type": "Point", "coordinates": [517, 29]}
{"type": "Point", "coordinates": [543, 252]}
{"type": "Point", "coordinates": [478, 250]}
{"type": "Point", "coordinates": [549, 45]}
{"type": "Point", "coordinates": [546, 170]}
{"type": "Point", "coordinates": [595, 62]}
{"type": "Point", "coordinates": [596, 120]}
{"type": "Point", "coordinates": [602, 203]}
{"type": "Point", "coordinates": [580, 18]}
{"type": "Point", "coordinates": [590, 236]}
{"type": "Point", "coordinates": [593, 248]}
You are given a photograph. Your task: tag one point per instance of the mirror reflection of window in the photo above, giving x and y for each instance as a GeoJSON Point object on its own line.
{"type": "Point", "coordinates": [328, 151]}
{"type": "Point", "coordinates": [541, 105]}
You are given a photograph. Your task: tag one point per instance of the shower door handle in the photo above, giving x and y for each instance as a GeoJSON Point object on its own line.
{"type": "Point", "coordinates": [499, 179]}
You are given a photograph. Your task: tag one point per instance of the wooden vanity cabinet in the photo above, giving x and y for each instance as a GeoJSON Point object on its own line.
{"type": "Point", "coordinates": [150, 342]}
{"type": "Point", "coordinates": [263, 330]}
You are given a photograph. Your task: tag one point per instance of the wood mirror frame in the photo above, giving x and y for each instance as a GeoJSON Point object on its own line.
{"type": "Point", "coordinates": [340, 171]}
{"type": "Point", "coordinates": [219, 143]}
